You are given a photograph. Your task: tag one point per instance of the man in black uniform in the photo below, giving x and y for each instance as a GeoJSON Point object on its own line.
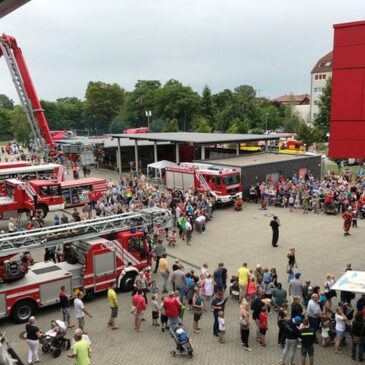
{"type": "Point", "coordinates": [274, 224]}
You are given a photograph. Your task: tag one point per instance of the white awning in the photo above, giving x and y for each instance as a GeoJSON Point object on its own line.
{"type": "Point", "coordinates": [353, 281]}
{"type": "Point", "coordinates": [161, 164]}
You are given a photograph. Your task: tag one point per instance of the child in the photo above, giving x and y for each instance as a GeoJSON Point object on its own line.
{"type": "Point", "coordinates": [263, 325]}
{"type": "Point", "coordinates": [163, 316]}
{"type": "Point", "coordinates": [172, 238]}
{"type": "Point", "coordinates": [325, 332]}
{"type": "Point", "coordinates": [222, 326]}
{"type": "Point", "coordinates": [147, 275]}
{"type": "Point", "coordinates": [234, 287]}
{"type": "Point", "coordinates": [154, 288]}
{"type": "Point", "coordinates": [251, 289]}
{"type": "Point", "coordinates": [155, 310]}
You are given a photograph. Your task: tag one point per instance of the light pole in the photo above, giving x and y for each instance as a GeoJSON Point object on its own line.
{"type": "Point", "coordinates": [266, 115]}
{"type": "Point", "coordinates": [148, 115]}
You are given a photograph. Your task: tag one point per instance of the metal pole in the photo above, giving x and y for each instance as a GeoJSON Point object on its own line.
{"type": "Point", "coordinates": [238, 149]}
{"type": "Point", "coordinates": [155, 151]}
{"type": "Point", "coordinates": [203, 152]}
{"type": "Point", "coordinates": [177, 153]}
{"type": "Point", "coordinates": [136, 154]}
{"type": "Point", "coordinates": [119, 157]}
{"type": "Point", "coordinates": [266, 122]}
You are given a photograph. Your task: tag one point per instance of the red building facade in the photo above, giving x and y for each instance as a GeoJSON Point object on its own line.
{"type": "Point", "coordinates": [347, 124]}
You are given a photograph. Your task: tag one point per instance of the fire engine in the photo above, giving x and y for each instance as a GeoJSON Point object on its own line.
{"type": "Point", "coordinates": [14, 164]}
{"type": "Point", "coordinates": [47, 196]}
{"type": "Point", "coordinates": [27, 196]}
{"type": "Point", "coordinates": [97, 252]}
{"type": "Point", "coordinates": [30, 101]}
{"type": "Point", "coordinates": [223, 183]}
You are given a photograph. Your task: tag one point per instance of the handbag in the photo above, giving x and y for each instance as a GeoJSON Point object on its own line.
{"type": "Point", "coordinates": [133, 310]}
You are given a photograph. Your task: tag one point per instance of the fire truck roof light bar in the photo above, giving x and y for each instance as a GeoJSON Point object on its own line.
{"type": "Point", "coordinates": [13, 243]}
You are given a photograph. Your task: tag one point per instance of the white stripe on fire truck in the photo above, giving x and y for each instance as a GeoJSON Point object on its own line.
{"type": "Point", "coordinates": [25, 292]}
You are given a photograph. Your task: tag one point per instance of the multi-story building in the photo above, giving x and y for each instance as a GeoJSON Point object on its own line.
{"type": "Point", "coordinates": [321, 72]}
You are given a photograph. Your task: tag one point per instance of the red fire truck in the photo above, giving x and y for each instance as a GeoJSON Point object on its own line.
{"type": "Point", "coordinates": [44, 172]}
{"type": "Point", "coordinates": [14, 164]}
{"type": "Point", "coordinates": [47, 196]}
{"type": "Point", "coordinates": [99, 251]}
{"type": "Point", "coordinates": [223, 183]}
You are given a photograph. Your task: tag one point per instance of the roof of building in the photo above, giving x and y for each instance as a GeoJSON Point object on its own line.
{"type": "Point", "coordinates": [198, 138]}
{"type": "Point", "coordinates": [324, 64]}
{"type": "Point", "coordinates": [256, 159]}
{"type": "Point", "coordinates": [298, 99]}
{"type": "Point", "coordinates": [8, 6]}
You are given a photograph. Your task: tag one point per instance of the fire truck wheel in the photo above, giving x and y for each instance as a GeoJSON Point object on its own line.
{"type": "Point", "coordinates": [43, 208]}
{"type": "Point", "coordinates": [22, 311]}
{"type": "Point", "coordinates": [127, 282]}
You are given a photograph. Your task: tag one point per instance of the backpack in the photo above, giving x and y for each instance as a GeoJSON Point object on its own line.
{"type": "Point", "coordinates": [267, 278]}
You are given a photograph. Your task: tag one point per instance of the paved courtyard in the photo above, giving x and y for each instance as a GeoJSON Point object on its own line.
{"type": "Point", "coordinates": [232, 237]}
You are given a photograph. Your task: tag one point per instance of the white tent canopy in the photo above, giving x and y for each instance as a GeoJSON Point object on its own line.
{"type": "Point", "coordinates": [157, 168]}
{"type": "Point", "coordinates": [352, 281]}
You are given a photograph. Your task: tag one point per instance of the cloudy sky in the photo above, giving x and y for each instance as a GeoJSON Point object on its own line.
{"type": "Point", "coordinates": [269, 44]}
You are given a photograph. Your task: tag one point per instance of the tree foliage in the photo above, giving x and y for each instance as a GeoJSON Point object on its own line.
{"type": "Point", "coordinates": [322, 120]}
{"type": "Point", "coordinates": [309, 134]}
{"type": "Point", "coordinates": [19, 125]}
{"type": "Point", "coordinates": [6, 102]}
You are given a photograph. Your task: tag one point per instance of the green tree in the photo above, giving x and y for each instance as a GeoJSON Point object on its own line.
{"type": "Point", "coordinates": [102, 103]}
{"type": "Point", "coordinates": [322, 120]}
{"type": "Point", "coordinates": [19, 125]}
{"type": "Point", "coordinates": [118, 126]}
{"type": "Point", "coordinates": [6, 102]}
{"type": "Point", "coordinates": [309, 134]}
{"type": "Point", "coordinates": [207, 106]}
{"type": "Point", "coordinates": [202, 125]}
{"type": "Point", "coordinates": [176, 101]}
{"type": "Point", "coordinates": [171, 125]}
{"type": "Point", "coordinates": [157, 125]}
{"type": "Point", "coordinates": [292, 121]}
{"type": "Point", "coordinates": [238, 126]}
{"type": "Point", "coordinates": [5, 127]}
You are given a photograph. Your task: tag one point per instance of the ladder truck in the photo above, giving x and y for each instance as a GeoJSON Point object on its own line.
{"type": "Point", "coordinates": [31, 104]}
{"type": "Point", "coordinates": [97, 252]}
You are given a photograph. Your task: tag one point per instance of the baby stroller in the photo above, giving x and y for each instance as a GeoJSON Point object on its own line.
{"type": "Point", "coordinates": [330, 209]}
{"type": "Point", "coordinates": [54, 339]}
{"type": "Point", "coordinates": [183, 345]}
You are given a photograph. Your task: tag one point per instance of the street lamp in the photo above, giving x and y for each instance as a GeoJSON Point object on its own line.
{"type": "Point", "coordinates": [266, 115]}
{"type": "Point", "coordinates": [148, 115]}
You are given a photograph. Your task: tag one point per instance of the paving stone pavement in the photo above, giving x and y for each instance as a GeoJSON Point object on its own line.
{"type": "Point", "coordinates": [232, 237]}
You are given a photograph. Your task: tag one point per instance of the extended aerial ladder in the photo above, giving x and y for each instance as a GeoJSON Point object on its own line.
{"type": "Point", "coordinates": [46, 237]}
{"type": "Point", "coordinates": [27, 93]}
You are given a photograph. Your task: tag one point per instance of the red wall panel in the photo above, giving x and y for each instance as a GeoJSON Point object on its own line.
{"type": "Point", "coordinates": [347, 124]}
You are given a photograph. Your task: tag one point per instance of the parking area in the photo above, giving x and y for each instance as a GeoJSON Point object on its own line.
{"type": "Point", "coordinates": [232, 237]}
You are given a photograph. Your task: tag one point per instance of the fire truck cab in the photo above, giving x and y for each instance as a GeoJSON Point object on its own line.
{"type": "Point", "coordinates": [27, 196]}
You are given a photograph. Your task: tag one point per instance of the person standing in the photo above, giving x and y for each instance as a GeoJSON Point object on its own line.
{"type": "Point", "coordinates": [292, 334]}
{"type": "Point", "coordinates": [33, 335]}
{"type": "Point", "coordinates": [307, 336]}
{"type": "Point", "coordinates": [81, 349]}
{"type": "Point", "coordinates": [347, 220]}
{"type": "Point", "coordinates": [275, 224]}
{"type": "Point", "coordinates": [358, 336]}
{"type": "Point", "coordinates": [65, 306]}
{"type": "Point", "coordinates": [158, 251]}
{"type": "Point", "coordinates": [139, 303]}
{"type": "Point", "coordinates": [296, 287]}
{"type": "Point", "coordinates": [164, 271]}
{"type": "Point", "coordinates": [217, 306]}
{"type": "Point", "coordinates": [80, 311]}
{"type": "Point", "coordinates": [171, 307]}
{"type": "Point", "coordinates": [243, 277]}
{"type": "Point", "coordinates": [314, 312]}
{"type": "Point", "coordinates": [197, 310]}
{"type": "Point", "coordinates": [245, 324]}
{"type": "Point", "coordinates": [113, 304]}
{"type": "Point", "coordinates": [178, 278]}
{"type": "Point", "coordinates": [218, 279]}
{"type": "Point", "coordinates": [292, 263]}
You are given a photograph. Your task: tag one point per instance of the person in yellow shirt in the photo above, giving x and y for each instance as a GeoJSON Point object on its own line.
{"type": "Point", "coordinates": [113, 304]}
{"type": "Point", "coordinates": [243, 277]}
{"type": "Point", "coordinates": [164, 271]}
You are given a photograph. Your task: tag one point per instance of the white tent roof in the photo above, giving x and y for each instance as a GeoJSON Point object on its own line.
{"type": "Point", "coordinates": [161, 164]}
{"type": "Point", "coordinates": [353, 281]}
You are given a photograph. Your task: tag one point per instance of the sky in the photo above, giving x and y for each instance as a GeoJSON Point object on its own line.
{"type": "Point", "coordinates": [269, 44]}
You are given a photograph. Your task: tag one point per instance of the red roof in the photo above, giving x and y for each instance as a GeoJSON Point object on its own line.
{"type": "Point", "coordinates": [324, 64]}
{"type": "Point", "coordinates": [297, 99]}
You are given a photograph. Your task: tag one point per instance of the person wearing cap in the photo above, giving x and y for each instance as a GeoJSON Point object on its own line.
{"type": "Point", "coordinates": [275, 224]}
{"type": "Point", "coordinates": [292, 335]}
{"type": "Point", "coordinates": [347, 219]}
{"type": "Point", "coordinates": [296, 286]}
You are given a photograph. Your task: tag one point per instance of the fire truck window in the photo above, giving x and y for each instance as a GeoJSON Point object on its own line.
{"type": "Point", "coordinates": [134, 244]}
{"type": "Point", "coordinates": [43, 191]}
{"type": "Point", "coordinates": [231, 179]}
{"type": "Point", "coordinates": [54, 191]}
{"type": "Point", "coordinates": [9, 191]}
{"type": "Point", "coordinates": [216, 180]}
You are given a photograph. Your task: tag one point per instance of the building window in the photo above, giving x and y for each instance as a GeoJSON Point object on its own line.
{"type": "Point", "coordinates": [317, 89]}
{"type": "Point", "coordinates": [316, 77]}
{"type": "Point", "coordinates": [315, 102]}
{"type": "Point", "coordinates": [324, 76]}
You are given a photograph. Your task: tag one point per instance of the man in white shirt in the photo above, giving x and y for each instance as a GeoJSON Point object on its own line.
{"type": "Point", "coordinates": [200, 223]}
{"type": "Point", "coordinates": [80, 311]}
{"type": "Point", "coordinates": [314, 312]}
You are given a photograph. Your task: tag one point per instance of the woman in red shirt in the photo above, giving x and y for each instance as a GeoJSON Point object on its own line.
{"type": "Point", "coordinates": [263, 325]}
